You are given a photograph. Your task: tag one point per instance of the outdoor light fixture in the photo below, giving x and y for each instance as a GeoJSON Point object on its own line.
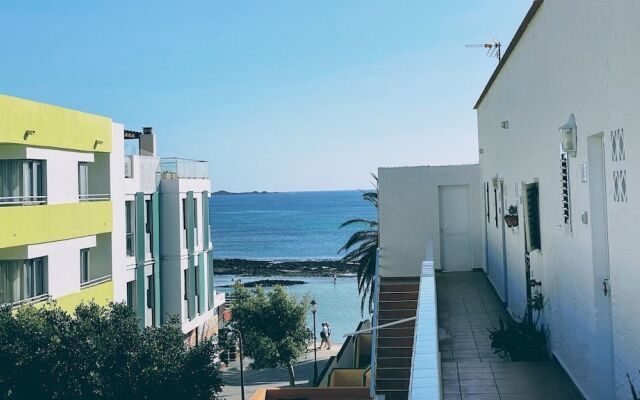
{"type": "Point", "coordinates": [29, 132]}
{"type": "Point", "coordinates": [233, 331]}
{"type": "Point", "coordinates": [569, 136]}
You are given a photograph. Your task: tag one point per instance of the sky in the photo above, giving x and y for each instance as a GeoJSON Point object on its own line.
{"type": "Point", "coordinates": [276, 95]}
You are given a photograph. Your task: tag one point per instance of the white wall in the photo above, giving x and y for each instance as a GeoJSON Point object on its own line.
{"type": "Point", "coordinates": [576, 57]}
{"type": "Point", "coordinates": [118, 234]}
{"type": "Point", "coordinates": [409, 213]}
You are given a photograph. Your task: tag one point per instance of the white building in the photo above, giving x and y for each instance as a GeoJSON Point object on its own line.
{"type": "Point", "coordinates": [569, 58]}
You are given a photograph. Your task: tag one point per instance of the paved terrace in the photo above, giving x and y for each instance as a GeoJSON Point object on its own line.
{"type": "Point", "coordinates": [467, 306]}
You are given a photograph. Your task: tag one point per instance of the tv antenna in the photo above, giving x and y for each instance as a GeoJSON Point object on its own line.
{"type": "Point", "coordinates": [494, 48]}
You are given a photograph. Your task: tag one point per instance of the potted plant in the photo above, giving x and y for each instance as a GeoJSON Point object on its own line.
{"type": "Point", "coordinates": [512, 216]}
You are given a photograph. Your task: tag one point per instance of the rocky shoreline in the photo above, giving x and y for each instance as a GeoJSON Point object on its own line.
{"type": "Point", "coordinates": [282, 268]}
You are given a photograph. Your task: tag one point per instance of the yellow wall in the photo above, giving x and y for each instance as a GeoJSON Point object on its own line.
{"type": "Point", "coordinates": [23, 225]}
{"type": "Point", "coordinates": [101, 294]}
{"type": "Point", "coordinates": [55, 127]}
{"type": "Point", "coordinates": [346, 377]}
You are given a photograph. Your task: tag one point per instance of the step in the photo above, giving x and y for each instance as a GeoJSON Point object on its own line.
{"type": "Point", "coordinates": [394, 394]}
{"type": "Point", "coordinates": [398, 287]}
{"type": "Point", "coordinates": [393, 362]}
{"type": "Point", "coordinates": [398, 305]}
{"type": "Point", "coordinates": [392, 331]}
{"type": "Point", "coordinates": [392, 384]}
{"type": "Point", "coordinates": [407, 324]}
{"type": "Point", "coordinates": [395, 352]}
{"type": "Point", "coordinates": [396, 314]}
{"type": "Point", "coordinates": [392, 373]}
{"type": "Point", "coordinates": [395, 342]}
{"type": "Point", "coordinates": [394, 296]}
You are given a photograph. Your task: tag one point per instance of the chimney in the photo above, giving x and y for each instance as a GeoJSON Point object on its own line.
{"type": "Point", "coordinates": [147, 142]}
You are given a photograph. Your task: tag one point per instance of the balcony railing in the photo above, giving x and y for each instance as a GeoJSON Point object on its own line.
{"type": "Point", "coordinates": [128, 166]}
{"type": "Point", "coordinates": [94, 197]}
{"type": "Point", "coordinates": [180, 168]}
{"type": "Point", "coordinates": [22, 200]}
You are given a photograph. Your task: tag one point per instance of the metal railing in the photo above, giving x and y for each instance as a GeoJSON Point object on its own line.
{"type": "Point", "coordinates": [180, 168]}
{"type": "Point", "coordinates": [94, 197]}
{"type": "Point", "coordinates": [374, 324]}
{"type": "Point", "coordinates": [34, 299]}
{"type": "Point", "coordinates": [22, 200]}
{"type": "Point", "coordinates": [95, 281]}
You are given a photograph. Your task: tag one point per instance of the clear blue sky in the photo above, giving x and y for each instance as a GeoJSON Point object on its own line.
{"type": "Point", "coordinates": [277, 95]}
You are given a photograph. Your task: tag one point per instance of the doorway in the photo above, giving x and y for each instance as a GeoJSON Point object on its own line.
{"type": "Point", "coordinates": [505, 273]}
{"type": "Point", "coordinates": [600, 254]}
{"type": "Point", "coordinates": [455, 232]}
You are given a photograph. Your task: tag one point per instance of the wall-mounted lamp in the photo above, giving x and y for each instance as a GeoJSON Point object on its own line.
{"type": "Point", "coordinates": [569, 136]}
{"type": "Point", "coordinates": [29, 132]}
{"type": "Point", "coordinates": [504, 124]}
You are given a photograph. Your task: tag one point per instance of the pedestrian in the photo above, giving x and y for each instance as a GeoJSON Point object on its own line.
{"type": "Point", "coordinates": [324, 336]}
{"type": "Point", "coordinates": [328, 336]}
{"type": "Point", "coordinates": [334, 278]}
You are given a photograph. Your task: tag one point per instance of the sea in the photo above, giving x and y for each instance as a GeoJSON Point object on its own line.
{"type": "Point", "coordinates": [294, 226]}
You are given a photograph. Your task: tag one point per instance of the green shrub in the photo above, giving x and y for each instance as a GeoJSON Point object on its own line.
{"type": "Point", "coordinates": [99, 354]}
{"type": "Point", "coordinates": [522, 339]}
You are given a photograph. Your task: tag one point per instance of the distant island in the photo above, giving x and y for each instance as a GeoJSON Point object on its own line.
{"type": "Point", "coordinates": [225, 193]}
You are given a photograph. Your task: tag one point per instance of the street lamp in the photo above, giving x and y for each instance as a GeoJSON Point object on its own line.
{"type": "Point", "coordinates": [314, 308]}
{"type": "Point", "coordinates": [231, 330]}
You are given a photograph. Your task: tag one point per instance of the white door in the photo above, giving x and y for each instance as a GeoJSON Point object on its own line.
{"type": "Point", "coordinates": [600, 253]}
{"type": "Point", "coordinates": [455, 236]}
{"type": "Point", "coordinates": [503, 228]}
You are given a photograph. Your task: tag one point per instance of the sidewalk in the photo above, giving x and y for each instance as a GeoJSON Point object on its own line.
{"type": "Point", "coordinates": [467, 307]}
{"type": "Point", "coordinates": [275, 377]}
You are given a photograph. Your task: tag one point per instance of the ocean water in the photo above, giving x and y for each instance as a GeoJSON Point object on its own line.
{"type": "Point", "coordinates": [294, 226]}
{"type": "Point", "coordinates": [338, 303]}
{"type": "Point", "coordinates": [284, 226]}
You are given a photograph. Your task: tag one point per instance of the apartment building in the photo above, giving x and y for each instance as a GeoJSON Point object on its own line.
{"type": "Point", "coordinates": [59, 180]}
{"type": "Point", "coordinates": [81, 220]}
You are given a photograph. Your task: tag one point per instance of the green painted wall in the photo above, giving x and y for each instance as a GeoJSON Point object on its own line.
{"type": "Point", "coordinates": [202, 279]}
{"type": "Point", "coordinates": [54, 126]}
{"type": "Point", "coordinates": [205, 219]}
{"type": "Point", "coordinates": [211, 279]}
{"type": "Point", "coordinates": [49, 223]}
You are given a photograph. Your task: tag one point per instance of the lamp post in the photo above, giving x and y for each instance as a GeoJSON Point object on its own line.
{"type": "Point", "coordinates": [314, 308]}
{"type": "Point", "coordinates": [231, 330]}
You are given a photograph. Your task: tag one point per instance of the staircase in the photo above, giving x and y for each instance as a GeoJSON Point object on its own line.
{"type": "Point", "coordinates": [398, 299]}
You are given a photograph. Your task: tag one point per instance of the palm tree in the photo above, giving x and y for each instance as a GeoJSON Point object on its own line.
{"type": "Point", "coordinates": [361, 249]}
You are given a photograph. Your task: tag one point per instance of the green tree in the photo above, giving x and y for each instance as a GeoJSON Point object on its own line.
{"type": "Point", "coordinates": [361, 249]}
{"type": "Point", "coordinates": [273, 326]}
{"type": "Point", "coordinates": [99, 354]}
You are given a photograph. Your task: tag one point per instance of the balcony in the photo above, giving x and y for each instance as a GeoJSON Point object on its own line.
{"type": "Point", "coordinates": [53, 222]}
{"type": "Point", "coordinates": [180, 168]}
{"type": "Point", "coordinates": [22, 201]}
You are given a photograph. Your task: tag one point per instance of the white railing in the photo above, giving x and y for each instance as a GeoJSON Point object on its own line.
{"type": "Point", "coordinates": [34, 299]}
{"type": "Point", "coordinates": [128, 166]}
{"type": "Point", "coordinates": [95, 281]}
{"type": "Point", "coordinates": [22, 200]}
{"type": "Point", "coordinates": [425, 365]}
{"type": "Point", "coordinates": [175, 168]}
{"type": "Point", "coordinates": [374, 324]}
{"type": "Point", "coordinates": [94, 197]}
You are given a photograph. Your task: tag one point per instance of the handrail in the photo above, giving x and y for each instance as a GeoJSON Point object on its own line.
{"type": "Point", "coordinates": [95, 281]}
{"type": "Point", "coordinates": [22, 200]}
{"type": "Point", "coordinates": [375, 328]}
{"type": "Point", "coordinates": [94, 197]}
{"type": "Point", "coordinates": [374, 323]}
{"type": "Point", "coordinates": [29, 300]}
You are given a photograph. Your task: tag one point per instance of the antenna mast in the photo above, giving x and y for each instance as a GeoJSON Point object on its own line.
{"type": "Point", "coordinates": [494, 48]}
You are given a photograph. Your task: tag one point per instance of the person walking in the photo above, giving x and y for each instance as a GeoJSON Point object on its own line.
{"type": "Point", "coordinates": [328, 335]}
{"type": "Point", "coordinates": [324, 336]}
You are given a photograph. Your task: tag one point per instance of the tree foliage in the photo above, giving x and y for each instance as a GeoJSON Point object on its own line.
{"type": "Point", "coordinates": [99, 353]}
{"type": "Point", "coordinates": [273, 326]}
{"type": "Point", "coordinates": [361, 249]}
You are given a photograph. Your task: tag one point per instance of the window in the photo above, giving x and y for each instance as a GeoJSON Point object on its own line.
{"type": "Point", "coordinates": [195, 220]}
{"type": "Point", "coordinates": [210, 285]}
{"type": "Point", "coordinates": [84, 266]}
{"type": "Point", "coordinates": [487, 208]}
{"type": "Point", "coordinates": [151, 295]}
{"type": "Point", "coordinates": [186, 284]}
{"type": "Point", "coordinates": [83, 180]}
{"type": "Point", "coordinates": [564, 173]}
{"type": "Point", "coordinates": [148, 226]}
{"type": "Point", "coordinates": [131, 294]}
{"type": "Point", "coordinates": [22, 182]}
{"type": "Point", "coordinates": [184, 221]}
{"type": "Point", "coordinates": [130, 217]}
{"type": "Point", "coordinates": [22, 280]}
{"type": "Point", "coordinates": [532, 210]}
{"type": "Point", "coordinates": [197, 291]}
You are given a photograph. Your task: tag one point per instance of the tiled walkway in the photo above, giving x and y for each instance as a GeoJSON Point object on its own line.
{"type": "Point", "coordinates": [467, 306]}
